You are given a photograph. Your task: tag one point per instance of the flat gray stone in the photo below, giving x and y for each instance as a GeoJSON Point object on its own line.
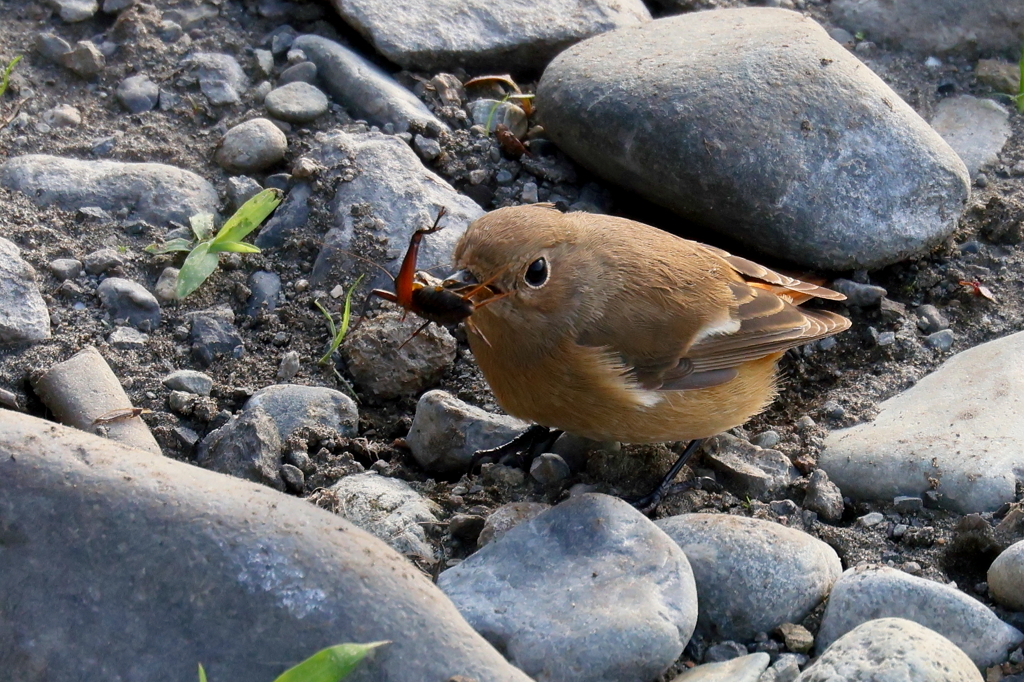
{"type": "Point", "coordinates": [138, 93]}
{"type": "Point", "coordinates": [85, 59]}
{"type": "Point", "coordinates": [128, 300]}
{"type": "Point", "coordinates": [385, 194]}
{"type": "Point", "coordinates": [976, 129]}
{"type": "Point", "coordinates": [152, 192]}
{"type": "Point", "coordinates": [928, 27]}
{"type": "Point", "coordinates": [430, 35]}
{"type": "Point", "coordinates": [588, 590]}
{"type": "Point", "coordinates": [221, 78]}
{"type": "Point", "coordinates": [190, 381]}
{"type": "Point", "coordinates": [72, 11]}
{"type": "Point", "coordinates": [386, 508]}
{"type": "Point", "coordinates": [752, 575]}
{"type": "Point", "coordinates": [296, 102]}
{"type": "Point", "coordinates": [446, 432]}
{"type": "Point", "coordinates": [23, 312]}
{"type": "Point", "coordinates": [892, 650]}
{"type": "Point", "coordinates": [868, 592]}
{"type": "Point", "coordinates": [1006, 577]}
{"type": "Point", "coordinates": [754, 123]}
{"type": "Point", "coordinates": [959, 431]}
{"type": "Point", "coordinates": [251, 146]}
{"type": "Point", "coordinates": [365, 90]}
{"type": "Point", "coordinates": [218, 571]}
{"type": "Point", "coordinates": [742, 669]}
{"type": "Point", "coordinates": [127, 338]}
{"type": "Point", "coordinates": [214, 335]}
{"type": "Point", "coordinates": [746, 468]}
{"type": "Point", "coordinates": [251, 445]}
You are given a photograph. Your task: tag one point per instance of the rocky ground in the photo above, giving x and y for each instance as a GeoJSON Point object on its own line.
{"type": "Point", "coordinates": [908, 317]}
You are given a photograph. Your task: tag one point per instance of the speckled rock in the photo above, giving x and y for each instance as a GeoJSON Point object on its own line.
{"type": "Point", "coordinates": [976, 129]}
{"type": "Point", "coordinates": [892, 650]}
{"type": "Point", "coordinates": [507, 517]}
{"type": "Point", "coordinates": [752, 575]}
{"type": "Point", "coordinates": [221, 78]}
{"type": "Point", "coordinates": [747, 468]}
{"type": "Point", "coordinates": [251, 146]}
{"type": "Point", "coordinates": [23, 313]}
{"type": "Point", "coordinates": [127, 300]}
{"type": "Point", "coordinates": [829, 169]}
{"type": "Point", "coordinates": [296, 102]}
{"type": "Point", "coordinates": [1006, 577]}
{"type": "Point", "coordinates": [867, 592]}
{"type": "Point", "coordinates": [588, 590]}
{"type": "Point", "coordinates": [742, 669]}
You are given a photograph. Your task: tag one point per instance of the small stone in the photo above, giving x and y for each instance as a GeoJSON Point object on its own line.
{"type": "Point", "coordinates": [886, 338]}
{"type": "Point", "coordinates": [127, 338]}
{"type": "Point", "coordinates": [529, 194]}
{"type": "Point", "coordinates": [506, 517]}
{"type": "Point", "coordinates": [170, 31]}
{"type": "Point", "coordinates": [190, 381]}
{"type": "Point", "coordinates": [805, 423]}
{"type": "Point", "coordinates": [73, 11]}
{"type": "Point", "coordinates": [62, 116]}
{"type": "Point", "coordinates": [51, 46]}
{"type": "Point", "coordinates": [98, 262]}
{"type": "Point", "coordinates": [748, 469]}
{"type": "Point", "coordinates": [85, 59]}
{"type": "Point", "coordinates": [863, 295]}
{"type": "Point", "coordinates": [797, 637]}
{"type": "Point", "coordinates": [65, 268]}
{"type": "Point", "coordinates": [289, 366]}
{"type": "Point", "coordinates": [824, 497]}
{"type": "Point", "coordinates": [294, 479]}
{"type": "Point", "coordinates": [241, 188]}
{"type": "Point", "coordinates": [766, 439]}
{"type": "Point", "coordinates": [221, 78]}
{"type": "Point", "coordinates": [264, 62]}
{"type": "Point", "coordinates": [138, 94]}
{"type": "Point", "coordinates": [999, 75]}
{"type": "Point", "coordinates": [296, 102]}
{"type": "Point", "coordinates": [428, 148]}
{"type": "Point", "coordinates": [977, 129]}
{"type": "Point", "coordinates": [166, 285]}
{"type": "Point", "coordinates": [870, 520]}
{"type": "Point", "coordinates": [833, 409]}
{"type": "Point", "coordinates": [498, 474]}
{"type": "Point", "coordinates": [180, 402]}
{"type": "Point", "coordinates": [466, 526]}
{"type": "Point", "coordinates": [724, 651]}
{"type": "Point", "coordinates": [127, 300]}
{"type": "Point", "coordinates": [251, 146]}
{"type": "Point", "coordinates": [548, 468]}
{"type": "Point", "coordinates": [214, 334]}
{"type": "Point", "coordinates": [906, 504]}
{"type": "Point", "coordinates": [304, 72]}
{"type": "Point", "coordinates": [930, 320]}
{"type": "Point", "coordinates": [941, 340]}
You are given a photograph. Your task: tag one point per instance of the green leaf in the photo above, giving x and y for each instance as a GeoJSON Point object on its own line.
{"type": "Point", "coordinates": [202, 225]}
{"type": "Point", "coordinates": [237, 247]}
{"type": "Point", "coordinates": [329, 665]}
{"type": "Point", "coordinates": [178, 244]}
{"type": "Point", "coordinates": [249, 216]}
{"type": "Point", "coordinates": [199, 265]}
{"type": "Point", "coordinates": [1020, 85]}
{"type": "Point", "coordinates": [338, 335]}
{"type": "Point", "coordinates": [202, 673]}
{"type": "Point", "coordinates": [7, 74]}
{"type": "Point", "coordinates": [330, 320]}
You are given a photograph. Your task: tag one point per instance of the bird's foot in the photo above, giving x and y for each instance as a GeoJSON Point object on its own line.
{"type": "Point", "coordinates": [649, 503]}
{"type": "Point", "coordinates": [521, 450]}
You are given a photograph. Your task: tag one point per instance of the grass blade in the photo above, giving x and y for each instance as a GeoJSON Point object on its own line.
{"type": "Point", "coordinates": [202, 673]}
{"type": "Point", "coordinates": [237, 247]}
{"type": "Point", "coordinates": [330, 664]}
{"type": "Point", "coordinates": [7, 74]}
{"type": "Point", "coordinates": [338, 334]}
{"type": "Point", "coordinates": [178, 244]}
{"type": "Point", "coordinates": [199, 265]}
{"type": "Point", "coordinates": [249, 216]}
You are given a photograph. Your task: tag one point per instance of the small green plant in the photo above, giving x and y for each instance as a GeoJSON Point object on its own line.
{"type": "Point", "coordinates": [204, 252]}
{"type": "Point", "coordinates": [339, 331]}
{"type": "Point", "coordinates": [5, 81]}
{"type": "Point", "coordinates": [327, 665]}
{"type": "Point", "coordinates": [1018, 99]}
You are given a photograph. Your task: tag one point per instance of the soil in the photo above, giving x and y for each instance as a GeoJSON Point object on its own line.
{"type": "Point", "coordinates": [838, 387]}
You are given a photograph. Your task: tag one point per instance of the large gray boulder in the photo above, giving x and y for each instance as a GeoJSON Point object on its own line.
{"type": "Point", "coordinates": [426, 35]}
{"type": "Point", "coordinates": [755, 123]}
{"type": "Point", "coordinates": [959, 432]}
{"type": "Point", "coordinates": [118, 564]}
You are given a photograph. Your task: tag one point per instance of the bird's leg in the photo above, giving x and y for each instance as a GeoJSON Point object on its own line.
{"type": "Point", "coordinates": [523, 449]}
{"type": "Point", "coordinates": [650, 502]}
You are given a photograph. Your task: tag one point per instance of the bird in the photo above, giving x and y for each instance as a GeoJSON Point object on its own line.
{"type": "Point", "coordinates": [614, 330]}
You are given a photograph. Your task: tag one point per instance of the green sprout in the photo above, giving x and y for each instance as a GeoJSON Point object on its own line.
{"type": "Point", "coordinates": [5, 81]}
{"type": "Point", "coordinates": [338, 332]}
{"type": "Point", "coordinates": [1018, 99]}
{"type": "Point", "coordinates": [204, 253]}
{"type": "Point", "coordinates": [327, 665]}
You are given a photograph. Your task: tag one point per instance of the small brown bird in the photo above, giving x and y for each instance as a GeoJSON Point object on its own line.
{"type": "Point", "coordinates": [614, 330]}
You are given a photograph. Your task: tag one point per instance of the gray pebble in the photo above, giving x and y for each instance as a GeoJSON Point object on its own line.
{"type": "Point", "coordinates": [266, 289]}
{"type": "Point", "coordinates": [62, 116]}
{"type": "Point", "coordinates": [871, 519]}
{"type": "Point", "coordinates": [805, 423]}
{"type": "Point", "coordinates": [138, 94]}
{"type": "Point", "coordinates": [747, 468]}
{"type": "Point", "coordinates": [906, 504]}
{"type": "Point", "coordinates": [264, 62]}
{"type": "Point", "coordinates": [304, 72]}
{"type": "Point", "coordinates": [940, 340]}
{"type": "Point", "coordinates": [241, 188]}
{"type": "Point", "coordinates": [296, 102]}
{"type": "Point", "coordinates": [294, 479]}
{"type": "Point", "coordinates": [863, 295]}
{"type": "Point", "coordinates": [766, 439]}
{"type": "Point", "coordinates": [1006, 577]}
{"type": "Point", "coordinates": [289, 366]}
{"type": "Point", "coordinates": [427, 147]}
{"type": "Point", "coordinates": [165, 288]}
{"type": "Point", "coordinates": [190, 381]}
{"type": "Point", "coordinates": [466, 526]}
{"type": "Point", "coordinates": [251, 146]}
{"type": "Point", "coordinates": [548, 468]}
{"type": "Point", "coordinates": [102, 260]}
{"type": "Point", "coordinates": [127, 338]}
{"type": "Point", "coordinates": [221, 78]}
{"type": "Point", "coordinates": [51, 46]}
{"type": "Point", "coordinates": [529, 194]}
{"type": "Point", "coordinates": [823, 496]}
{"type": "Point", "coordinates": [743, 669]}
{"type": "Point", "coordinates": [724, 651]}
{"type": "Point", "coordinates": [23, 312]}
{"type": "Point", "coordinates": [73, 11]}
{"type": "Point", "coordinates": [65, 268]}
{"type": "Point", "coordinates": [170, 31]}
{"type": "Point", "coordinates": [507, 517]}
{"type": "Point", "coordinates": [213, 333]}
{"type": "Point", "coordinates": [85, 59]}
{"type": "Point", "coordinates": [127, 300]}
{"type": "Point", "coordinates": [930, 320]}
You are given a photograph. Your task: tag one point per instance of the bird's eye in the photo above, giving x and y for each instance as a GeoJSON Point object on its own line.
{"type": "Point", "coordinates": [537, 274]}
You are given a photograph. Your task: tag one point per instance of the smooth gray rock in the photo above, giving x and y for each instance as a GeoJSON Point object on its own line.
{"type": "Point", "coordinates": [73, 11]}
{"type": "Point", "coordinates": [752, 575]}
{"type": "Point", "coordinates": [213, 334]}
{"type": "Point", "coordinates": [251, 146]}
{"type": "Point", "coordinates": [152, 192]}
{"type": "Point", "coordinates": [217, 571]}
{"type": "Point", "coordinates": [976, 129]}
{"type": "Point", "coordinates": [65, 268]}
{"type": "Point", "coordinates": [386, 508]}
{"type": "Point", "coordinates": [863, 295]}
{"type": "Point", "coordinates": [1006, 577]}
{"type": "Point", "coordinates": [928, 27]}
{"type": "Point", "coordinates": [959, 431]}
{"type": "Point", "coordinates": [364, 89]}
{"type": "Point", "coordinates": [868, 592]}
{"type": "Point", "coordinates": [588, 590]}
{"type": "Point", "coordinates": [23, 312]}
{"type": "Point", "coordinates": [743, 669]}
{"type": "Point", "coordinates": [190, 381]}
{"type": "Point", "coordinates": [221, 79]}
{"type": "Point", "coordinates": [296, 102]}
{"type": "Point", "coordinates": [385, 194]}
{"type": "Point", "coordinates": [385, 368]}
{"type": "Point", "coordinates": [51, 46]}
{"type": "Point", "coordinates": [102, 261]}
{"type": "Point", "coordinates": [266, 289]}
{"type": "Point", "coordinates": [432, 35]}
{"type": "Point", "coordinates": [446, 432]}
{"type": "Point", "coordinates": [138, 94]}
{"type": "Point", "coordinates": [755, 123]}
{"type": "Point", "coordinates": [84, 388]}
{"type": "Point", "coordinates": [892, 650]}
{"type": "Point", "coordinates": [250, 445]}
{"type": "Point", "coordinates": [127, 300]}
{"type": "Point", "coordinates": [127, 338]}
{"type": "Point", "coordinates": [746, 468]}
{"type": "Point", "coordinates": [304, 72]}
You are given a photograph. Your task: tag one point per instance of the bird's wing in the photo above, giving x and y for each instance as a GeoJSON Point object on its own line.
{"type": "Point", "coordinates": [749, 268]}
